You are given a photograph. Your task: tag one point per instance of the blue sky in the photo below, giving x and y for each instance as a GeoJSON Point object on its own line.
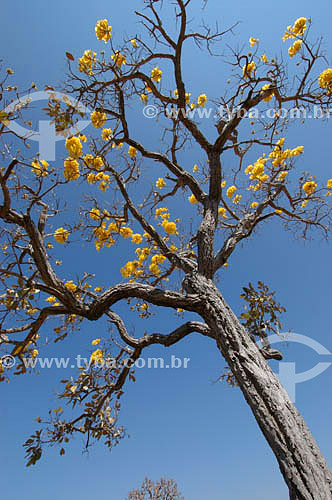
{"type": "Point", "coordinates": [181, 424]}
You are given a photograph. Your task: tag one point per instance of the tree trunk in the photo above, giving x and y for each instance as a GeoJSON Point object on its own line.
{"type": "Point", "coordinates": [302, 465]}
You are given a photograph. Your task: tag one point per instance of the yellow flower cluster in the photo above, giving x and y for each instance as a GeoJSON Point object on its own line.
{"type": "Point", "coordinates": [132, 152]}
{"type": "Point", "coordinates": [107, 134]}
{"type": "Point", "coordinates": [119, 59]}
{"type": "Point", "coordinates": [193, 199]}
{"type": "Point", "coordinates": [297, 30]}
{"type": "Point", "coordinates": [87, 62]}
{"type": "Point", "coordinates": [248, 70]}
{"type": "Point", "coordinates": [136, 238]}
{"type": "Point", "coordinates": [94, 162]}
{"type": "Point", "coordinates": [256, 171]}
{"type": "Point", "coordinates": [222, 212]}
{"type": "Point", "coordinates": [103, 30]}
{"type": "Point", "coordinates": [294, 49]}
{"type": "Point", "coordinates": [230, 191]}
{"type": "Point", "coordinates": [156, 74]}
{"type": "Point", "coordinates": [325, 80]}
{"type": "Point", "coordinates": [269, 96]}
{"type": "Point", "coordinates": [279, 156]}
{"type": "Point", "coordinates": [74, 147]}
{"type": "Point", "coordinates": [252, 41]}
{"type": "Point", "coordinates": [61, 235]}
{"type": "Point", "coordinates": [94, 214]}
{"type": "Point", "coordinates": [70, 285]}
{"type": "Point", "coordinates": [201, 100]}
{"type": "Point", "coordinates": [40, 169]}
{"type": "Point", "coordinates": [96, 356]}
{"type": "Point", "coordinates": [329, 184]}
{"type": "Point", "coordinates": [98, 118]}
{"type": "Point", "coordinates": [160, 183]}
{"type": "Point", "coordinates": [103, 236]}
{"type": "Point", "coordinates": [309, 187]}
{"type": "Point", "coordinates": [71, 170]}
{"type": "Point", "coordinates": [169, 227]}
{"type": "Point", "coordinates": [237, 198]}
{"type": "Point", "coordinates": [187, 95]}
{"type": "Point", "coordinates": [104, 178]}
{"type": "Point", "coordinates": [282, 175]}
{"type": "Point", "coordinates": [95, 342]}
{"type": "Point", "coordinates": [126, 232]}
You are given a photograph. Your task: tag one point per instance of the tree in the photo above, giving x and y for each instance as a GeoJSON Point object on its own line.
{"type": "Point", "coordinates": [178, 261]}
{"type": "Point", "coordinates": [164, 489]}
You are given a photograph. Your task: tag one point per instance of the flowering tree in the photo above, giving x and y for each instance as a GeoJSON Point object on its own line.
{"type": "Point", "coordinates": [171, 266]}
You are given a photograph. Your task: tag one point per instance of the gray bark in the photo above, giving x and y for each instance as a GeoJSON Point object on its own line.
{"type": "Point", "coordinates": [300, 460]}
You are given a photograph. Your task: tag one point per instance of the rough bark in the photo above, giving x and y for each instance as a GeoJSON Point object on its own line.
{"type": "Point", "coordinates": [300, 460]}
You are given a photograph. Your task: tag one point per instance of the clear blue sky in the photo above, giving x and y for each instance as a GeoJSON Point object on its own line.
{"type": "Point", "coordinates": [181, 424]}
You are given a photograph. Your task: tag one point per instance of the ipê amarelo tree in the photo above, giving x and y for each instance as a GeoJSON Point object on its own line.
{"type": "Point", "coordinates": [175, 260]}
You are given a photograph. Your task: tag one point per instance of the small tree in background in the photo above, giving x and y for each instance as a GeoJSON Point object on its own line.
{"type": "Point", "coordinates": [246, 177]}
{"type": "Point", "coordinates": [164, 489]}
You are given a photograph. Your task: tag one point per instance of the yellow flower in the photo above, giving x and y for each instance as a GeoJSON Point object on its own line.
{"type": "Point", "coordinates": [70, 285]}
{"type": "Point", "coordinates": [201, 100]}
{"type": "Point", "coordinates": [40, 169]}
{"type": "Point", "coordinates": [10, 71]}
{"type": "Point", "coordinates": [103, 30]}
{"type": "Point", "coordinates": [74, 147]}
{"type": "Point", "coordinates": [144, 98]}
{"type": "Point", "coordinates": [132, 152]}
{"type": "Point", "coordinates": [71, 169]}
{"type": "Point", "coordinates": [51, 299]}
{"type": "Point", "coordinates": [91, 178]}
{"type": "Point", "coordinates": [222, 212]}
{"type": "Point", "coordinates": [282, 175]}
{"type": "Point", "coordinates": [119, 59]}
{"type": "Point", "coordinates": [304, 203]}
{"type": "Point", "coordinates": [180, 310]}
{"type": "Point", "coordinates": [254, 204]}
{"type": "Point", "coordinates": [34, 353]}
{"type": "Point", "coordinates": [325, 80]}
{"type": "Point", "coordinates": [264, 58]}
{"type": "Point", "coordinates": [134, 43]}
{"type": "Point", "coordinates": [98, 118]}
{"type": "Point", "coordinates": [137, 238]}
{"type": "Point", "coordinates": [156, 74]}
{"type": "Point", "coordinates": [230, 191]}
{"type": "Point", "coordinates": [268, 97]}
{"type": "Point", "coordinates": [61, 235]}
{"type": "Point", "coordinates": [160, 183]}
{"type": "Point", "coordinates": [169, 227]}
{"type": "Point", "coordinates": [309, 187]}
{"type": "Point", "coordinates": [107, 134]}
{"type": "Point", "coordinates": [248, 69]}
{"type": "Point", "coordinates": [297, 29]}
{"type": "Point", "coordinates": [87, 61]}
{"type": "Point", "coordinates": [193, 199]}
{"type": "Point", "coordinates": [277, 211]}
{"type": "Point", "coordinates": [95, 342]}
{"type": "Point", "coordinates": [329, 184]}
{"type": "Point", "coordinates": [195, 168]}
{"type": "Point", "coordinates": [223, 184]}
{"type": "Point", "coordinates": [96, 356]}
{"type": "Point", "coordinates": [94, 214]}
{"type": "Point", "coordinates": [294, 49]}
{"type": "Point", "coordinates": [158, 259]}
{"type": "Point", "coordinates": [237, 199]}
{"type": "Point", "coordinates": [252, 41]}
{"type": "Point", "coordinates": [126, 232]}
